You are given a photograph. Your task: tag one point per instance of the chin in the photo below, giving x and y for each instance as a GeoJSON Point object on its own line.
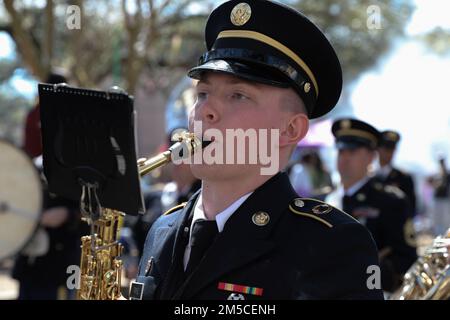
{"type": "Point", "coordinates": [205, 171]}
{"type": "Point", "coordinates": [224, 172]}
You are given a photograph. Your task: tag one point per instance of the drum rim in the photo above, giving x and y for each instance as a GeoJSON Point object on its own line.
{"type": "Point", "coordinates": [41, 199]}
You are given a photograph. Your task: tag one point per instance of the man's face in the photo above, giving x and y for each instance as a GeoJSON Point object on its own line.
{"type": "Point", "coordinates": [353, 163]}
{"type": "Point", "coordinates": [227, 102]}
{"type": "Point", "coordinates": [385, 155]}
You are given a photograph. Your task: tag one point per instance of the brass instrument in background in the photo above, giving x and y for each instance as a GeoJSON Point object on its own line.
{"type": "Point", "coordinates": [429, 277]}
{"type": "Point", "coordinates": [100, 266]}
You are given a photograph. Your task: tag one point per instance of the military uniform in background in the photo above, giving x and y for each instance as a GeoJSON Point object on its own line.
{"type": "Point", "coordinates": [390, 175]}
{"type": "Point", "coordinates": [383, 210]}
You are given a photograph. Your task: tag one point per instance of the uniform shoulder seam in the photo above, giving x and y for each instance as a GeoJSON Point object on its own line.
{"type": "Point", "coordinates": [337, 209]}
{"type": "Point", "coordinates": [173, 209]}
{"type": "Point", "coordinates": [309, 215]}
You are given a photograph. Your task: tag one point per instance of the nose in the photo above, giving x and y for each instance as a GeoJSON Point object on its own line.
{"type": "Point", "coordinates": [208, 110]}
{"type": "Point", "coordinates": [343, 154]}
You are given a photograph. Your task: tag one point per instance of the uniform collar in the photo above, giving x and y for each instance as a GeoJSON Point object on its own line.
{"type": "Point", "coordinates": [385, 171]}
{"type": "Point", "coordinates": [248, 240]}
{"type": "Point", "coordinates": [355, 187]}
{"type": "Point", "coordinates": [222, 217]}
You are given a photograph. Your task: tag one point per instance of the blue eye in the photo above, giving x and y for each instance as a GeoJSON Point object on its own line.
{"type": "Point", "coordinates": [201, 95]}
{"type": "Point", "coordinates": [239, 96]}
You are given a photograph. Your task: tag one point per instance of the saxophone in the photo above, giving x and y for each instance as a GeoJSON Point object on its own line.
{"type": "Point", "coordinates": [100, 265]}
{"type": "Point", "coordinates": [429, 277]}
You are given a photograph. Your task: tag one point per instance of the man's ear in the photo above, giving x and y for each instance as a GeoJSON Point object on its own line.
{"type": "Point", "coordinates": [372, 155]}
{"type": "Point", "coordinates": [295, 130]}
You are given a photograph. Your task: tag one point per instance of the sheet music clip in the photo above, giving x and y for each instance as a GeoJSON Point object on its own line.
{"type": "Point", "coordinates": [90, 204]}
{"type": "Point", "coordinates": [89, 147]}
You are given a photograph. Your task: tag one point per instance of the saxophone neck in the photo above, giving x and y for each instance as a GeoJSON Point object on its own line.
{"type": "Point", "coordinates": [185, 147]}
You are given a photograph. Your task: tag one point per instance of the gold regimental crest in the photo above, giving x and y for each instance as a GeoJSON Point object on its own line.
{"type": "Point", "coordinates": [240, 14]}
{"type": "Point", "coordinates": [322, 209]}
{"type": "Point", "coordinates": [361, 197]}
{"type": "Point", "coordinates": [260, 218]}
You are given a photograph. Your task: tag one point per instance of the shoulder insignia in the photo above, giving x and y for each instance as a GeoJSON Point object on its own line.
{"type": "Point", "coordinates": [318, 210]}
{"type": "Point", "coordinates": [180, 206]}
{"type": "Point", "coordinates": [395, 191]}
{"type": "Point", "coordinates": [312, 208]}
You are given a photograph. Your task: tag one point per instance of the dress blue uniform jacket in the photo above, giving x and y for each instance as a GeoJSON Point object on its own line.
{"type": "Point", "coordinates": [307, 250]}
{"type": "Point", "coordinates": [405, 183]}
{"type": "Point", "coordinates": [390, 226]}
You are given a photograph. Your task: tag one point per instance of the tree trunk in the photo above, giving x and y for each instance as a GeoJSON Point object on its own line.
{"type": "Point", "coordinates": [25, 45]}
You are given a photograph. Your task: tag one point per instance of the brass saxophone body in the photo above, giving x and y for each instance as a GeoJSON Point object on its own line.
{"type": "Point", "coordinates": [101, 266]}
{"type": "Point", "coordinates": [429, 277]}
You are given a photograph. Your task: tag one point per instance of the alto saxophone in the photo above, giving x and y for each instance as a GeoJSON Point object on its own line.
{"type": "Point", "coordinates": [429, 277]}
{"type": "Point", "coordinates": [101, 266]}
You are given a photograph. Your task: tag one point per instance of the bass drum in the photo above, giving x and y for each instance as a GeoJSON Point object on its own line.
{"type": "Point", "coordinates": [20, 199]}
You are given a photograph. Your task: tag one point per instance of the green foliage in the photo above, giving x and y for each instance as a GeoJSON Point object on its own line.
{"type": "Point", "coordinates": [170, 39]}
{"type": "Point", "coordinates": [359, 35]}
{"type": "Point", "coordinates": [438, 40]}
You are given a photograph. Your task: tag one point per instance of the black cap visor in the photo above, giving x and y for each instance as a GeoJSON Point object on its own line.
{"type": "Point", "coordinates": [353, 143]}
{"type": "Point", "coordinates": [242, 69]}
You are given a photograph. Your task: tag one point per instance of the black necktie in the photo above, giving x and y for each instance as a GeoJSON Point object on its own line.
{"type": "Point", "coordinates": [203, 235]}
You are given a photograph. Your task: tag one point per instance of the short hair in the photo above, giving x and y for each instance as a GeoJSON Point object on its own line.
{"type": "Point", "coordinates": [292, 102]}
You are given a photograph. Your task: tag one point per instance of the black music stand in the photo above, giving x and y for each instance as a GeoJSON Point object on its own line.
{"type": "Point", "coordinates": [89, 147]}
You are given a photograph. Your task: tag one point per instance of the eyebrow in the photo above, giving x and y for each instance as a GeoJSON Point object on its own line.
{"type": "Point", "coordinates": [234, 80]}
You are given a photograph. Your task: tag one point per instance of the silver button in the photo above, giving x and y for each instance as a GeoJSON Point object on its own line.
{"type": "Point", "coordinates": [299, 203]}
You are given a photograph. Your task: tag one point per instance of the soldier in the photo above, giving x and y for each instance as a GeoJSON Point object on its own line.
{"type": "Point", "coordinates": [245, 234]}
{"type": "Point", "coordinates": [382, 209]}
{"type": "Point", "coordinates": [388, 174]}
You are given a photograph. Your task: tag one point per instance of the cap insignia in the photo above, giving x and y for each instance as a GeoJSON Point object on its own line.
{"type": "Point", "coordinates": [240, 14]}
{"type": "Point", "coordinates": [307, 87]}
{"type": "Point", "coordinates": [346, 124]}
{"type": "Point", "coordinates": [392, 136]}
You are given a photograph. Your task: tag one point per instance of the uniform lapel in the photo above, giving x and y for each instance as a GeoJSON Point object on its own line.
{"type": "Point", "coordinates": [172, 279]}
{"type": "Point", "coordinates": [242, 241]}
{"type": "Point", "coordinates": [351, 202]}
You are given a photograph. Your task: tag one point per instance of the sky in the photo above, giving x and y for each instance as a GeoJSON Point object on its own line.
{"type": "Point", "coordinates": [408, 92]}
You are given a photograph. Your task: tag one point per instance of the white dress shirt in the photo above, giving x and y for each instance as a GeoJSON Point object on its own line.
{"type": "Point", "coordinates": [335, 198]}
{"type": "Point", "coordinates": [356, 186]}
{"type": "Point", "coordinates": [384, 171]}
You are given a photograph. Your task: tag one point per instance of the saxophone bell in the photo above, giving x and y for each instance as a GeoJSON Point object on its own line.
{"type": "Point", "coordinates": [429, 277]}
